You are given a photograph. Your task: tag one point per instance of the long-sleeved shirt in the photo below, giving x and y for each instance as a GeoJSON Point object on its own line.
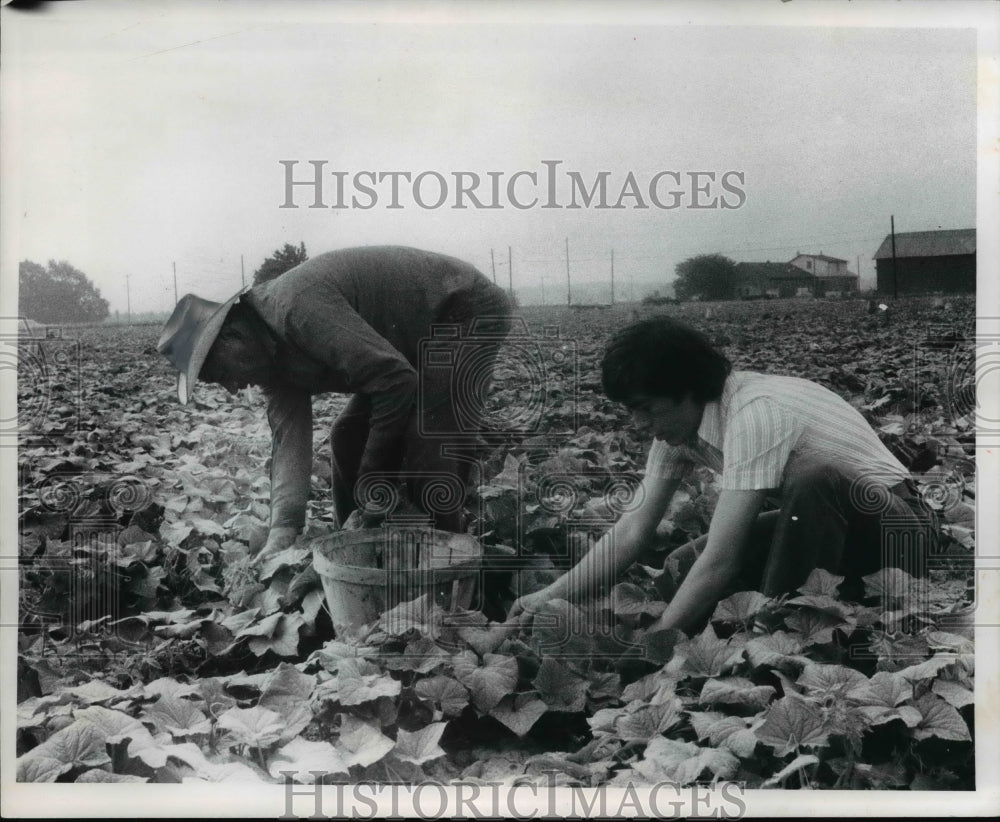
{"type": "Point", "coordinates": [350, 321]}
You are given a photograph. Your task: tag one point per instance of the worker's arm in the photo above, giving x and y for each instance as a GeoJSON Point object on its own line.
{"type": "Point", "coordinates": [718, 564]}
{"type": "Point", "coordinates": [289, 412]}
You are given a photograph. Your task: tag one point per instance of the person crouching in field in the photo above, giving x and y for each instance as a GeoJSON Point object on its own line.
{"type": "Point", "coordinates": [787, 438]}
{"type": "Point", "coordinates": [350, 321]}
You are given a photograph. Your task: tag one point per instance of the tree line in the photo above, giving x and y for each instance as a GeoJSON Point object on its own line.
{"type": "Point", "coordinates": [61, 293]}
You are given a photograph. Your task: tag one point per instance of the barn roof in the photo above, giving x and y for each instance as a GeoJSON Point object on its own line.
{"type": "Point", "coordinates": [929, 244]}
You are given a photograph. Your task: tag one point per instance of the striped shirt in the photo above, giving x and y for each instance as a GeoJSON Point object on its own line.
{"type": "Point", "coordinates": [762, 421]}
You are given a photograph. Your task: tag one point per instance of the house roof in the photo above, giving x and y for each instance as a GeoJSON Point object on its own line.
{"type": "Point", "coordinates": [762, 269]}
{"type": "Point", "coordinates": [821, 257]}
{"type": "Point", "coordinates": [929, 244]}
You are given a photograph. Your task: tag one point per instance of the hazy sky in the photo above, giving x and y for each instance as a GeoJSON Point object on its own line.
{"type": "Point", "coordinates": [146, 134]}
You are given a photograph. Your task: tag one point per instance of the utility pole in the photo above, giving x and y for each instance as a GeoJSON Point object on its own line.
{"type": "Point", "coordinates": [892, 228]}
{"type": "Point", "coordinates": [493, 265]}
{"type": "Point", "coordinates": [128, 299]}
{"type": "Point", "coordinates": [612, 276]}
{"type": "Point", "coordinates": [175, 284]}
{"type": "Point", "coordinates": [569, 288]}
{"type": "Point", "coordinates": [510, 271]}
{"type": "Point", "coordinates": [243, 274]}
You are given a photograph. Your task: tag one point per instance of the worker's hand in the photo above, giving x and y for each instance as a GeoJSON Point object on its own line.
{"type": "Point", "coordinates": [278, 539]}
{"type": "Point", "coordinates": [522, 612]}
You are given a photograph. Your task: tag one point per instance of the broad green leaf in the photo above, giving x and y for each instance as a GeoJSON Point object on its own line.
{"type": "Point", "coordinates": [81, 744]}
{"type": "Point", "coordinates": [225, 772]}
{"type": "Point", "coordinates": [928, 669]}
{"type": "Point", "coordinates": [100, 775]}
{"type": "Point", "coordinates": [954, 693]}
{"type": "Point", "coordinates": [217, 699]}
{"type": "Point", "coordinates": [287, 692]}
{"type": "Point", "coordinates": [422, 655]}
{"type": "Point", "coordinates": [647, 721]}
{"type": "Point", "coordinates": [955, 643]}
{"type": "Point", "coordinates": [629, 599]}
{"type": "Point", "coordinates": [559, 626]}
{"type": "Point", "coordinates": [40, 768]}
{"type": "Point", "coordinates": [419, 614]}
{"type": "Point", "coordinates": [392, 771]}
{"type": "Point", "coordinates": [257, 727]}
{"type": "Point", "coordinates": [648, 686]}
{"type": "Point", "coordinates": [740, 608]}
{"type": "Point", "coordinates": [447, 694]}
{"type": "Point", "coordinates": [707, 655]}
{"type": "Point", "coordinates": [359, 681]}
{"type": "Point", "coordinates": [603, 686]}
{"type": "Point", "coordinates": [559, 687]}
{"type": "Point", "coordinates": [821, 582]}
{"type": "Point", "coordinates": [168, 686]}
{"type": "Point", "coordinates": [773, 649]}
{"type": "Point", "coordinates": [832, 680]}
{"type": "Point", "coordinates": [112, 725]}
{"type": "Point", "coordinates": [658, 646]}
{"type": "Point", "coordinates": [484, 640]}
{"type": "Point", "coordinates": [488, 683]}
{"type": "Point", "coordinates": [208, 527]}
{"type": "Point", "coordinates": [670, 760]}
{"type": "Point", "coordinates": [893, 584]}
{"type": "Point", "coordinates": [730, 732]}
{"type": "Point", "coordinates": [178, 717]}
{"type": "Point", "coordinates": [362, 743]}
{"type": "Point", "coordinates": [814, 627]}
{"type": "Point", "coordinates": [790, 723]}
{"type": "Point", "coordinates": [420, 746]}
{"type": "Point", "coordinates": [330, 655]}
{"type": "Point", "coordinates": [826, 605]}
{"type": "Point", "coordinates": [264, 627]}
{"type": "Point", "coordinates": [939, 719]}
{"type": "Point", "coordinates": [519, 712]}
{"type": "Point", "coordinates": [880, 714]}
{"type": "Point", "coordinates": [796, 765]}
{"type": "Point", "coordinates": [884, 689]}
{"type": "Point", "coordinates": [605, 719]}
{"type": "Point", "coordinates": [96, 691]}
{"type": "Point", "coordinates": [304, 757]}
{"type": "Point", "coordinates": [735, 690]}
{"type": "Point", "coordinates": [283, 641]}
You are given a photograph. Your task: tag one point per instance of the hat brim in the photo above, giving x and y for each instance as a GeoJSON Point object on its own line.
{"type": "Point", "coordinates": [187, 379]}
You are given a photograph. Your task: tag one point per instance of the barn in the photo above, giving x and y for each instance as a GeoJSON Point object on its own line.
{"type": "Point", "coordinates": [927, 262]}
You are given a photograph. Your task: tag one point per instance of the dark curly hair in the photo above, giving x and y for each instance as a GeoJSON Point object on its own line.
{"type": "Point", "coordinates": [663, 357]}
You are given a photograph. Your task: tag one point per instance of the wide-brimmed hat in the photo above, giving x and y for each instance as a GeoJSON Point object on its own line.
{"type": "Point", "coordinates": [188, 336]}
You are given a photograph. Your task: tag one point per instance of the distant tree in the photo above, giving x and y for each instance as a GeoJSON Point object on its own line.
{"type": "Point", "coordinates": [58, 294]}
{"type": "Point", "coordinates": [281, 261]}
{"type": "Point", "coordinates": [710, 276]}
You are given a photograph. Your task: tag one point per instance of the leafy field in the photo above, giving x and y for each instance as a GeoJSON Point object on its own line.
{"type": "Point", "coordinates": [151, 649]}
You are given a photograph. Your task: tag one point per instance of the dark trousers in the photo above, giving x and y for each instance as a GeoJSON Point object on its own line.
{"type": "Point", "coordinates": [827, 519]}
{"type": "Point", "coordinates": [439, 449]}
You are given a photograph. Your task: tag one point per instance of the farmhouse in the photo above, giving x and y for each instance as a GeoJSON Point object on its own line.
{"type": "Point", "coordinates": [767, 279]}
{"type": "Point", "coordinates": [830, 275]}
{"type": "Point", "coordinates": [928, 261]}
{"type": "Point", "coordinates": [807, 275]}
